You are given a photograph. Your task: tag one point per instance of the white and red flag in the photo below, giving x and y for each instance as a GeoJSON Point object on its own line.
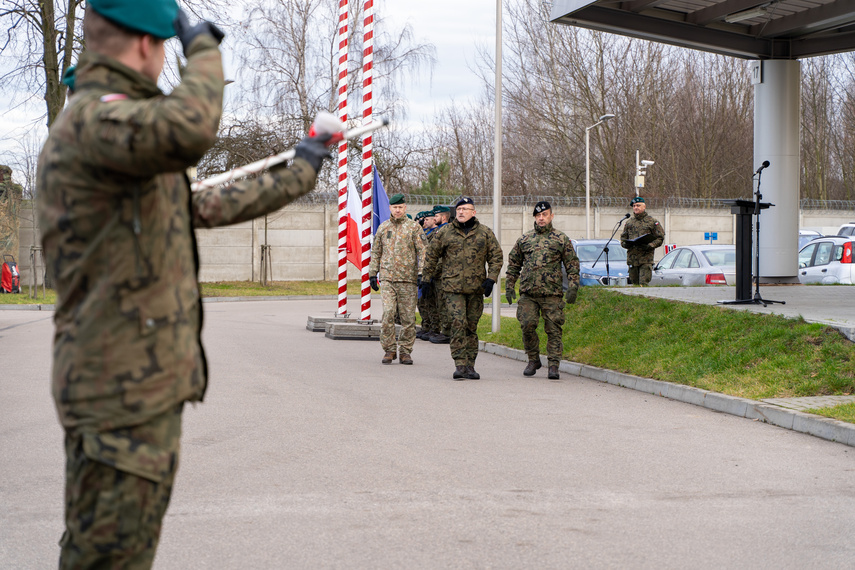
{"type": "Point", "coordinates": [354, 225]}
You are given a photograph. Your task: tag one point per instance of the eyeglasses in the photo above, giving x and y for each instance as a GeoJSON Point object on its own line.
{"type": "Point", "coordinates": [466, 209]}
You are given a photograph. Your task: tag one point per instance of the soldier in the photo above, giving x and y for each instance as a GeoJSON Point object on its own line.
{"type": "Point", "coordinates": [427, 303]}
{"type": "Point", "coordinates": [442, 332]}
{"type": "Point", "coordinates": [117, 219]}
{"type": "Point", "coordinates": [398, 255]}
{"type": "Point", "coordinates": [641, 235]}
{"type": "Point", "coordinates": [464, 247]}
{"type": "Point", "coordinates": [536, 261]}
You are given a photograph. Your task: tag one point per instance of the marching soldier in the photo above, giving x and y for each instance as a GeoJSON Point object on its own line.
{"type": "Point", "coordinates": [397, 258]}
{"type": "Point", "coordinates": [641, 236]}
{"type": "Point", "coordinates": [471, 260]}
{"type": "Point", "coordinates": [117, 220]}
{"type": "Point", "coordinates": [536, 261]}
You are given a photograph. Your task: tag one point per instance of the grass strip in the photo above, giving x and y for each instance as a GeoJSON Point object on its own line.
{"type": "Point", "coordinates": [733, 352]}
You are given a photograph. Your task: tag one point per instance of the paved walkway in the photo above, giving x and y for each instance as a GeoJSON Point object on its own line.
{"type": "Point", "coordinates": [308, 453]}
{"type": "Point", "coordinates": [810, 402]}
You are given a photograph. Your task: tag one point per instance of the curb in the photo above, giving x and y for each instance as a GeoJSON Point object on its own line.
{"type": "Point", "coordinates": [810, 424]}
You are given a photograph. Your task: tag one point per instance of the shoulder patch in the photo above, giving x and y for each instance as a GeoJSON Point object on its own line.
{"type": "Point", "coordinates": [113, 97]}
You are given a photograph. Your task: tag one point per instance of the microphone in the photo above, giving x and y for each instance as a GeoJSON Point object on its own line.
{"type": "Point", "coordinates": [626, 216]}
{"type": "Point", "coordinates": [762, 166]}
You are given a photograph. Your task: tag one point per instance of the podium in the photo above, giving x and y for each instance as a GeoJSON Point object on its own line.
{"type": "Point", "coordinates": [745, 242]}
{"type": "Point", "coordinates": [744, 210]}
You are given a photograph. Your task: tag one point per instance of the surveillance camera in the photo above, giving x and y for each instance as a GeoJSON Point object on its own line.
{"type": "Point", "coordinates": [647, 162]}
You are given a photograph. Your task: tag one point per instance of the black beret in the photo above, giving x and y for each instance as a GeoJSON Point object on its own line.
{"type": "Point", "coordinates": [541, 206]}
{"type": "Point", "coordinates": [463, 201]}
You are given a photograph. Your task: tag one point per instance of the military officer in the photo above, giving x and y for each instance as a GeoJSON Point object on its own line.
{"type": "Point", "coordinates": [471, 260]}
{"type": "Point", "coordinates": [536, 261]}
{"type": "Point", "coordinates": [397, 259]}
{"type": "Point", "coordinates": [117, 219]}
{"type": "Point", "coordinates": [641, 236]}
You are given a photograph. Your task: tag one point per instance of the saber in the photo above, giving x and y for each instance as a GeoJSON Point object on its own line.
{"type": "Point", "coordinates": [275, 159]}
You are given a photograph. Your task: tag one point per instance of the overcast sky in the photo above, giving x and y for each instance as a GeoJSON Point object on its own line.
{"type": "Point", "coordinates": [454, 27]}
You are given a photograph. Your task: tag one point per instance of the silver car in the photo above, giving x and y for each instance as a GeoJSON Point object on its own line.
{"type": "Point", "coordinates": [697, 265]}
{"type": "Point", "coordinates": [828, 260]}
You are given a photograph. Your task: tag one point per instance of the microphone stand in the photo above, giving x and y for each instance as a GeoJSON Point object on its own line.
{"type": "Point", "coordinates": [606, 249]}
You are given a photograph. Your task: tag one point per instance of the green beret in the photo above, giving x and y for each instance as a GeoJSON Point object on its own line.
{"type": "Point", "coordinates": [440, 209]}
{"type": "Point", "coordinates": [419, 216]}
{"type": "Point", "coordinates": [636, 200]}
{"type": "Point", "coordinates": [153, 17]}
{"type": "Point", "coordinates": [396, 199]}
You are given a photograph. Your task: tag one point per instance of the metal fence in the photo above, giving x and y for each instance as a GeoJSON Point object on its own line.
{"type": "Point", "coordinates": [331, 197]}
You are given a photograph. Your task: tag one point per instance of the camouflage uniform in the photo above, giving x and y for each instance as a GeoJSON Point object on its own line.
{"type": "Point", "coordinates": [536, 260]}
{"type": "Point", "coordinates": [464, 256]}
{"type": "Point", "coordinates": [443, 317]}
{"type": "Point", "coordinates": [427, 303]}
{"type": "Point", "coordinates": [117, 219]}
{"type": "Point", "coordinates": [398, 256]}
{"type": "Point", "coordinates": [640, 257]}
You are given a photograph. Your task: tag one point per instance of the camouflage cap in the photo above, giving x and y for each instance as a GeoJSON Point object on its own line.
{"type": "Point", "coordinates": [153, 17]}
{"type": "Point", "coordinates": [636, 200]}
{"type": "Point", "coordinates": [397, 199]}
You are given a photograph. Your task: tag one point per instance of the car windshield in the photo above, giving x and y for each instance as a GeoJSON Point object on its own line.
{"type": "Point", "coordinates": [588, 252]}
{"type": "Point", "coordinates": [721, 257]}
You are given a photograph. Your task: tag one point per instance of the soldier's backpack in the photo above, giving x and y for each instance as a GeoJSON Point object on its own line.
{"type": "Point", "coordinates": [10, 279]}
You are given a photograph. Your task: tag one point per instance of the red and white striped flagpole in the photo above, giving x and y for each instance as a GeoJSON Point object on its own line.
{"type": "Point", "coordinates": [367, 158]}
{"type": "Point", "coordinates": [342, 159]}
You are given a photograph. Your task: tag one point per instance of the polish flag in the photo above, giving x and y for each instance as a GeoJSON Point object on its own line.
{"type": "Point", "coordinates": [354, 225]}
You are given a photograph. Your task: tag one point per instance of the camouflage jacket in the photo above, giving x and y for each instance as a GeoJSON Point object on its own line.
{"type": "Point", "coordinates": [464, 256]}
{"type": "Point", "coordinates": [637, 226]}
{"type": "Point", "coordinates": [398, 253]}
{"type": "Point", "coordinates": [117, 219]}
{"type": "Point", "coordinates": [536, 261]}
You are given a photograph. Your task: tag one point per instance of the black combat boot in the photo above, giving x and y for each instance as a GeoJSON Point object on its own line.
{"type": "Point", "coordinates": [471, 374]}
{"type": "Point", "coordinates": [532, 367]}
{"type": "Point", "coordinates": [553, 372]}
{"type": "Point", "coordinates": [439, 338]}
{"type": "Point", "coordinates": [460, 373]}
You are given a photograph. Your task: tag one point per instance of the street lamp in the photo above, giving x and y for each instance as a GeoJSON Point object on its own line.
{"type": "Point", "coordinates": [602, 120]}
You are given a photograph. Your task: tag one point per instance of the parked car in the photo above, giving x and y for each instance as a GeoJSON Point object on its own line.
{"type": "Point", "coordinates": [589, 250]}
{"type": "Point", "coordinates": [827, 260]}
{"type": "Point", "coordinates": [846, 229]}
{"type": "Point", "coordinates": [697, 265]}
{"type": "Point", "coordinates": [806, 236]}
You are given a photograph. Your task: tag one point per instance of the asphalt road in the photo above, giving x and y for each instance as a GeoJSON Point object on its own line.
{"type": "Point", "coordinates": [308, 453]}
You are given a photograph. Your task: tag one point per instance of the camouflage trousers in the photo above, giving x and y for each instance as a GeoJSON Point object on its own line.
{"type": "Point", "coordinates": [529, 311]}
{"type": "Point", "coordinates": [429, 311]}
{"type": "Point", "coordinates": [464, 310]}
{"type": "Point", "coordinates": [444, 317]}
{"type": "Point", "coordinates": [399, 303]}
{"type": "Point", "coordinates": [117, 489]}
{"type": "Point", "coordinates": [641, 274]}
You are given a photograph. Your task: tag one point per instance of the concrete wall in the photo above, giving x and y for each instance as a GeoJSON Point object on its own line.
{"type": "Point", "coordinates": [304, 237]}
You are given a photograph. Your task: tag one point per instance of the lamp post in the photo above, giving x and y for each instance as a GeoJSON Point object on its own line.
{"type": "Point", "coordinates": [602, 120]}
